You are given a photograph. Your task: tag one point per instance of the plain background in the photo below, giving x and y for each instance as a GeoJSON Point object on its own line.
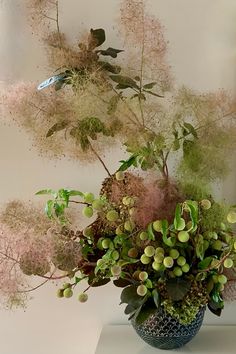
{"type": "Point", "coordinates": [202, 36]}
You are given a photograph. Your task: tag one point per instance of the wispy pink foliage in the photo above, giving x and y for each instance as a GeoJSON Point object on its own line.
{"type": "Point", "coordinates": [156, 203]}
{"type": "Point", "coordinates": [145, 35]}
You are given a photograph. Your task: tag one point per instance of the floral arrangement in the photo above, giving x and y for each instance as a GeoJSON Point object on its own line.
{"type": "Point", "coordinates": [156, 230]}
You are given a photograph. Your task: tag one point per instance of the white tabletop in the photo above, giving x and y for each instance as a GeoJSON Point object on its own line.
{"type": "Point", "coordinates": [122, 339]}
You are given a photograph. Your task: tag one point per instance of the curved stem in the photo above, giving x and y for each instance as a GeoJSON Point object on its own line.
{"type": "Point", "coordinates": [100, 159]}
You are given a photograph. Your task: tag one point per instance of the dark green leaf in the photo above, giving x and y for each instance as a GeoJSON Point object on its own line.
{"type": "Point", "coordinates": [98, 37]}
{"type": "Point", "coordinates": [129, 309]}
{"type": "Point", "coordinates": [156, 298]}
{"type": "Point", "coordinates": [147, 310]}
{"type": "Point", "coordinates": [114, 69]}
{"type": "Point", "coordinates": [191, 129]}
{"type": "Point", "coordinates": [177, 288]}
{"type": "Point", "coordinates": [112, 52]}
{"type": "Point", "coordinates": [129, 296]}
{"type": "Point", "coordinates": [214, 309]}
{"type": "Point", "coordinates": [124, 81]}
{"type": "Point", "coordinates": [151, 235]}
{"type": "Point", "coordinates": [84, 142]}
{"type": "Point", "coordinates": [57, 127]}
{"type": "Point", "coordinates": [121, 283]}
{"type": "Point", "coordinates": [96, 282]}
{"type": "Point", "coordinates": [112, 105]}
{"type": "Point", "coordinates": [178, 214]}
{"type": "Point", "coordinates": [153, 93]}
{"type": "Point", "coordinates": [128, 163]}
{"type": "Point", "coordinates": [149, 86]}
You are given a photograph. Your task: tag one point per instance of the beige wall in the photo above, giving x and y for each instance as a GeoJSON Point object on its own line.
{"type": "Point", "coordinates": [202, 35]}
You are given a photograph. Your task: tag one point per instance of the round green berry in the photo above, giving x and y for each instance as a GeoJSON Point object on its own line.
{"type": "Point", "coordinates": [88, 197]}
{"type": "Point", "coordinates": [133, 252]}
{"type": "Point", "coordinates": [174, 253]}
{"type": "Point", "coordinates": [231, 217]}
{"type": "Point", "coordinates": [97, 204]}
{"type": "Point", "coordinates": [131, 211]}
{"type": "Point", "coordinates": [143, 276]}
{"type": "Point", "coordinates": [181, 261]}
{"type": "Point", "coordinates": [217, 245]}
{"type": "Point", "coordinates": [235, 245]}
{"type": "Point", "coordinates": [183, 236]}
{"type": "Point", "coordinates": [228, 263]}
{"type": "Point", "coordinates": [87, 211]}
{"type": "Point", "coordinates": [66, 285]}
{"type": "Point", "coordinates": [128, 201]}
{"type": "Point", "coordinates": [157, 225]}
{"type": "Point", "coordinates": [106, 243]}
{"type": "Point", "coordinates": [143, 236]}
{"type": "Point", "coordinates": [159, 251]}
{"type": "Point", "coordinates": [145, 259]}
{"type": "Point", "coordinates": [115, 255]}
{"type": "Point", "coordinates": [120, 175]}
{"type": "Point", "coordinates": [112, 215]}
{"type": "Point", "coordinates": [129, 225]}
{"type": "Point", "coordinates": [116, 270]}
{"type": "Point", "coordinates": [119, 230]}
{"type": "Point", "coordinates": [156, 266]}
{"type": "Point", "coordinates": [177, 271]}
{"type": "Point", "coordinates": [142, 290]}
{"type": "Point", "coordinates": [88, 231]}
{"type": "Point", "coordinates": [60, 293]}
{"type": "Point", "coordinates": [83, 297]}
{"type": "Point", "coordinates": [68, 293]}
{"type": "Point", "coordinates": [159, 258]}
{"type": "Point", "coordinates": [168, 262]}
{"type": "Point", "coordinates": [149, 251]}
{"type": "Point", "coordinates": [222, 279]}
{"type": "Point", "coordinates": [185, 268]}
{"type": "Point", "coordinates": [181, 224]}
{"type": "Point", "coordinates": [205, 204]}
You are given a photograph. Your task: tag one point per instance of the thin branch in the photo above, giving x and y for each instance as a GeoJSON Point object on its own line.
{"type": "Point", "coordinates": [100, 159]}
{"type": "Point", "coordinates": [57, 22]}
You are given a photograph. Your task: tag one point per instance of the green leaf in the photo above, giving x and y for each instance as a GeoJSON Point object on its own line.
{"type": "Point", "coordinates": [98, 37]}
{"type": "Point", "coordinates": [177, 288]}
{"type": "Point", "coordinates": [49, 208]}
{"type": "Point", "coordinates": [129, 296]}
{"type": "Point", "coordinates": [96, 282]}
{"type": "Point", "coordinates": [176, 145]}
{"type": "Point", "coordinates": [112, 105]}
{"type": "Point", "coordinates": [205, 263]}
{"type": "Point", "coordinates": [147, 310]}
{"type": "Point", "coordinates": [150, 85]}
{"type": "Point", "coordinates": [128, 163]}
{"type": "Point", "coordinates": [112, 52]}
{"type": "Point", "coordinates": [121, 283]}
{"type": "Point", "coordinates": [200, 247]}
{"type": "Point", "coordinates": [191, 129]}
{"type": "Point", "coordinates": [151, 235]}
{"type": "Point", "coordinates": [153, 94]}
{"type": "Point", "coordinates": [75, 193]}
{"type": "Point", "coordinates": [45, 192]}
{"type": "Point", "coordinates": [169, 241]}
{"type": "Point", "coordinates": [57, 127]}
{"type": "Point", "coordinates": [124, 81]}
{"type": "Point", "coordinates": [156, 298]}
{"type": "Point", "coordinates": [114, 69]}
{"type": "Point", "coordinates": [59, 209]}
{"type": "Point", "coordinates": [129, 309]}
{"type": "Point", "coordinates": [178, 214]}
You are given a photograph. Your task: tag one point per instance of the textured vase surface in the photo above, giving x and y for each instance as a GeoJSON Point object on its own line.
{"type": "Point", "coordinates": [162, 331]}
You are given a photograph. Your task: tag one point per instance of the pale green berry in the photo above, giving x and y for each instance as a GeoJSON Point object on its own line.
{"type": "Point", "coordinates": [159, 258]}
{"type": "Point", "coordinates": [168, 262]}
{"type": "Point", "coordinates": [157, 225]}
{"type": "Point", "coordinates": [143, 236]}
{"type": "Point", "coordinates": [215, 278]}
{"type": "Point", "coordinates": [149, 251]}
{"type": "Point", "coordinates": [87, 211]}
{"type": "Point", "coordinates": [88, 197]}
{"type": "Point", "coordinates": [142, 290]}
{"type": "Point", "coordinates": [222, 279]}
{"type": "Point", "coordinates": [112, 215]}
{"type": "Point", "coordinates": [143, 276]}
{"type": "Point", "coordinates": [136, 275]}
{"type": "Point", "coordinates": [223, 226]}
{"type": "Point", "coordinates": [97, 204]}
{"type": "Point", "coordinates": [205, 204]}
{"type": "Point", "coordinates": [128, 201]}
{"type": "Point", "coordinates": [116, 270]}
{"type": "Point", "coordinates": [181, 261]}
{"type": "Point", "coordinates": [106, 243]}
{"type": "Point", "coordinates": [174, 253]}
{"type": "Point", "coordinates": [228, 263]}
{"type": "Point", "coordinates": [129, 225]}
{"type": "Point", "coordinates": [133, 252]}
{"type": "Point", "coordinates": [217, 245]}
{"type": "Point", "coordinates": [183, 236]}
{"type": "Point", "coordinates": [115, 255]}
{"type": "Point", "coordinates": [60, 293]}
{"type": "Point", "coordinates": [186, 268]}
{"type": "Point", "coordinates": [100, 262]}
{"type": "Point", "coordinates": [68, 293]}
{"type": "Point", "coordinates": [88, 231]}
{"type": "Point", "coordinates": [120, 175]}
{"type": "Point", "coordinates": [119, 230]}
{"type": "Point", "coordinates": [181, 224]}
{"type": "Point", "coordinates": [231, 217]}
{"type": "Point", "coordinates": [132, 211]}
{"type": "Point", "coordinates": [215, 263]}
{"type": "Point", "coordinates": [189, 225]}
{"type": "Point", "coordinates": [177, 271]}
{"type": "Point", "coordinates": [145, 259]}
{"type": "Point", "coordinates": [156, 266]}
{"type": "Point", "coordinates": [160, 251]}
{"type": "Point", "coordinates": [83, 297]}
{"type": "Point", "coordinates": [66, 285]}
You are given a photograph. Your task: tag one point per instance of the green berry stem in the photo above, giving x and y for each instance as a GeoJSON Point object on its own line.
{"type": "Point", "coordinates": [220, 262]}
